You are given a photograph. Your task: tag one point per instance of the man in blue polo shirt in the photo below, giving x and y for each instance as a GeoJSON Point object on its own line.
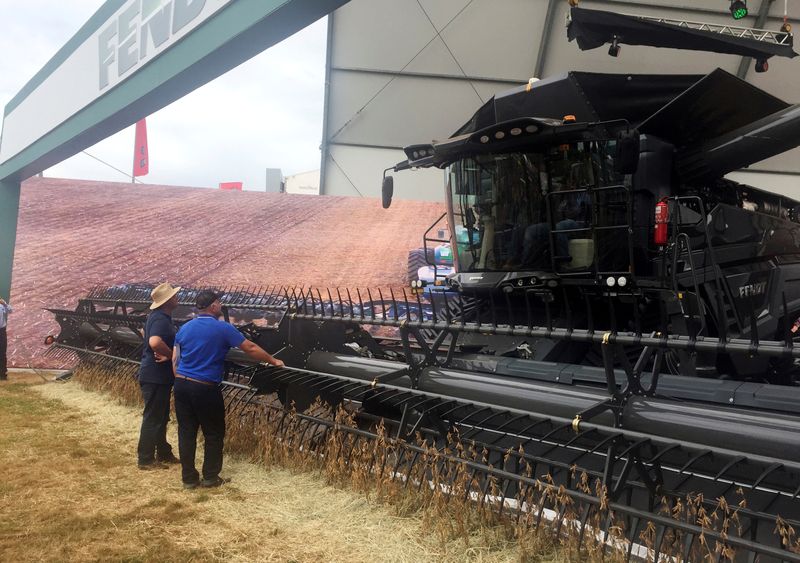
{"type": "Point", "coordinates": [155, 379]}
{"type": "Point", "coordinates": [198, 358]}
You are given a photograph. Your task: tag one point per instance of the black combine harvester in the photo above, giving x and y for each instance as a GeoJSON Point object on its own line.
{"type": "Point", "coordinates": [618, 310]}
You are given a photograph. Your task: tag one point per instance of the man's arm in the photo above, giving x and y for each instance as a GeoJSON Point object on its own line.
{"type": "Point", "coordinates": [258, 353]}
{"type": "Point", "coordinates": [162, 352]}
{"type": "Point", "coordinates": [176, 355]}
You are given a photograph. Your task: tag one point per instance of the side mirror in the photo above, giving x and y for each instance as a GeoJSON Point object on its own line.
{"type": "Point", "coordinates": [627, 158]}
{"type": "Point", "coordinates": [387, 191]}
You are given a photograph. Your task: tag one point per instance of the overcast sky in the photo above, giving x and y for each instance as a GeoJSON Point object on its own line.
{"type": "Point", "coordinates": [265, 113]}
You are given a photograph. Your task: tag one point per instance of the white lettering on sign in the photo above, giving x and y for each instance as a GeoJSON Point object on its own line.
{"type": "Point", "coordinates": [140, 26]}
{"type": "Point", "coordinates": [138, 32]}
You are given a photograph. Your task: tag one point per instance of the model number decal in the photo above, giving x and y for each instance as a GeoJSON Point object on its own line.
{"type": "Point", "coordinates": [752, 289]}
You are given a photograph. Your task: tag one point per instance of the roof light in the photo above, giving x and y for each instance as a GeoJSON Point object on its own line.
{"type": "Point", "coordinates": [531, 128]}
{"type": "Point", "coordinates": [499, 135]}
{"type": "Point", "coordinates": [569, 119]}
{"type": "Point", "coordinates": [516, 131]}
{"type": "Point", "coordinates": [485, 139]}
{"type": "Point", "coordinates": [415, 152]}
{"type": "Point", "coordinates": [739, 9]}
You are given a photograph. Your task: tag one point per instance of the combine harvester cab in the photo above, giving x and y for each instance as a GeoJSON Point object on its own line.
{"type": "Point", "coordinates": [617, 224]}
{"type": "Point", "coordinates": [618, 328]}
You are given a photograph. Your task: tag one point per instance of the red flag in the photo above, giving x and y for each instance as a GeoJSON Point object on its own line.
{"type": "Point", "coordinates": [141, 160]}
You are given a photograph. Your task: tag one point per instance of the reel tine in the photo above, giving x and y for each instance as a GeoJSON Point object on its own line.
{"type": "Point", "coordinates": [371, 304]}
{"type": "Point", "coordinates": [360, 303]}
{"type": "Point", "coordinates": [383, 303]}
{"type": "Point", "coordinates": [350, 303]}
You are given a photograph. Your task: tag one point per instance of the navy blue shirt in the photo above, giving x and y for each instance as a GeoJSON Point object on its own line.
{"type": "Point", "coordinates": [160, 324]}
{"type": "Point", "coordinates": [204, 341]}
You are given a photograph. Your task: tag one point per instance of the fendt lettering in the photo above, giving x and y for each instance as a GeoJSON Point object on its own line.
{"type": "Point", "coordinates": [753, 289]}
{"type": "Point", "coordinates": [142, 24]}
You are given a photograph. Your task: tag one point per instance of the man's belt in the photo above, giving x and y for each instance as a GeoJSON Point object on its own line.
{"type": "Point", "coordinates": [193, 380]}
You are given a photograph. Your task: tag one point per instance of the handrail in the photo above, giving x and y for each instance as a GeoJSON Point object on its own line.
{"type": "Point", "coordinates": [426, 239]}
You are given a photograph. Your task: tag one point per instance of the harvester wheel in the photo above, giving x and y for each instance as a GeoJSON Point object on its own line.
{"type": "Point", "coordinates": [416, 260]}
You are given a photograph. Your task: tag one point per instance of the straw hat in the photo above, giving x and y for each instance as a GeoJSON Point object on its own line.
{"type": "Point", "coordinates": [163, 293]}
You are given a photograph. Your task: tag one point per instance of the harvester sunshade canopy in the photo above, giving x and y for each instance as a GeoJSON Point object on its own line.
{"type": "Point", "coordinates": [685, 110]}
{"type": "Point", "coordinates": [588, 96]}
{"type": "Point", "coordinates": [594, 28]}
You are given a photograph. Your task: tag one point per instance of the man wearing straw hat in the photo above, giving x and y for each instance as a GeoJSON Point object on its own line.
{"type": "Point", "coordinates": [156, 379]}
{"type": "Point", "coordinates": [199, 357]}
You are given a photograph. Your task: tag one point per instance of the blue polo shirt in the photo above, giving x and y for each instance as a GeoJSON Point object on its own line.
{"type": "Point", "coordinates": [204, 341]}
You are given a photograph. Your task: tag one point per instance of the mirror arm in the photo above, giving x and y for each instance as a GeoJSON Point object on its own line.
{"type": "Point", "coordinates": [399, 167]}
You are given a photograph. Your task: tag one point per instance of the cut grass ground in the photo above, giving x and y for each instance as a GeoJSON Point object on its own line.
{"type": "Point", "coordinates": [71, 492]}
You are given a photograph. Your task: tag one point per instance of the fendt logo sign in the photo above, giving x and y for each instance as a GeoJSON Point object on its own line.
{"type": "Point", "coordinates": [112, 51]}
{"type": "Point", "coordinates": [142, 25]}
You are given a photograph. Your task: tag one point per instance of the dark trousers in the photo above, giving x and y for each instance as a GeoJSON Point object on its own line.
{"type": "Point", "coordinates": [199, 406]}
{"type": "Point", "coordinates": [3, 359]}
{"type": "Point", "coordinates": [153, 436]}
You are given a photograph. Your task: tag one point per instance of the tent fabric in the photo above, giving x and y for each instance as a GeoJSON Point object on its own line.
{"type": "Point", "coordinates": [594, 28]}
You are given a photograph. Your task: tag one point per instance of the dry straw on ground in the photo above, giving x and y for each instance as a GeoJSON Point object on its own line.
{"type": "Point", "coordinates": [71, 492]}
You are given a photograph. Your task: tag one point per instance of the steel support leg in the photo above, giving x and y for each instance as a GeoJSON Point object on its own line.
{"type": "Point", "coordinates": [9, 210]}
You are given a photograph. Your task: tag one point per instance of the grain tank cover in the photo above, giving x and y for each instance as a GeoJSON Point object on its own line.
{"type": "Point", "coordinates": [717, 104]}
{"type": "Point", "coordinates": [588, 96]}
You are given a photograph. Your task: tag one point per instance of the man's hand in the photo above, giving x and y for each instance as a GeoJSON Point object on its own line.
{"type": "Point", "coordinates": [160, 349]}
{"type": "Point", "coordinates": [3, 302]}
{"type": "Point", "coordinates": [258, 353]}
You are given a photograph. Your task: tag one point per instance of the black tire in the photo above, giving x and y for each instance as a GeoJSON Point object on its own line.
{"type": "Point", "coordinates": [416, 260]}
{"type": "Point", "coordinates": [431, 254]}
